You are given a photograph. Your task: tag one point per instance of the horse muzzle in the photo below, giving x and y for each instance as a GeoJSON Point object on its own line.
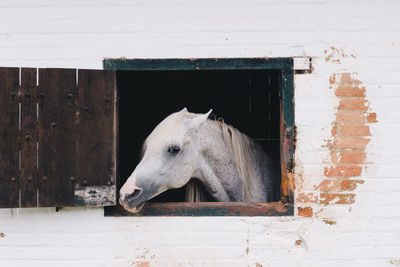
{"type": "Point", "coordinates": [132, 202]}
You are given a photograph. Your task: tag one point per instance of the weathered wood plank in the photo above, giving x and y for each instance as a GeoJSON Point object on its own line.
{"type": "Point", "coordinates": [9, 137]}
{"type": "Point", "coordinates": [197, 64]}
{"type": "Point", "coordinates": [57, 137]}
{"type": "Point", "coordinates": [28, 138]}
{"type": "Point", "coordinates": [96, 139]}
{"type": "Point", "coordinates": [210, 209]}
{"type": "Point", "coordinates": [95, 196]}
{"type": "Point", "coordinates": [288, 133]}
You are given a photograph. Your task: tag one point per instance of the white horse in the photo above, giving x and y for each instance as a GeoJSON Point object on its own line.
{"type": "Point", "coordinates": [185, 145]}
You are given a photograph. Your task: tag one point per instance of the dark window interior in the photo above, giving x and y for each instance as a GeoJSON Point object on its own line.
{"type": "Point", "coordinates": [247, 99]}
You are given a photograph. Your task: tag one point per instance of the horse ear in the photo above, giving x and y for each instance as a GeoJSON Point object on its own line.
{"type": "Point", "coordinates": [208, 113]}
{"type": "Point", "coordinates": [199, 119]}
{"type": "Point", "coordinates": [184, 110]}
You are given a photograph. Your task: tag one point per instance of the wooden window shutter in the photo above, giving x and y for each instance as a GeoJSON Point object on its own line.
{"type": "Point", "coordinates": [57, 137]}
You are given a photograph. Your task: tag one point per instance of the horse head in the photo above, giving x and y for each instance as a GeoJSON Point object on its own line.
{"type": "Point", "coordinates": [168, 160]}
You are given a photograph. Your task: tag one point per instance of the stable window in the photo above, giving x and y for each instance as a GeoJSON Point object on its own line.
{"type": "Point", "coordinates": [253, 95]}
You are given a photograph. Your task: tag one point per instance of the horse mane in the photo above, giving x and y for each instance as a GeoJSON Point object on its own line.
{"type": "Point", "coordinates": [243, 151]}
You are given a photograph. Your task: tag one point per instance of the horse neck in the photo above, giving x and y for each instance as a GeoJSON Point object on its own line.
{"type": "Point", "coordinates": [218, 169]}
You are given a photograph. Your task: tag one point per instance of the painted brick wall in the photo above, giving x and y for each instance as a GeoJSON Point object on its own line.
{"type": "Point", "coordinates": [347, 118]}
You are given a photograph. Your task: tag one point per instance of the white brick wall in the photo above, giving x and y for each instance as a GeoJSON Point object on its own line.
{"type": "Point", "coordinates": [80, 33]}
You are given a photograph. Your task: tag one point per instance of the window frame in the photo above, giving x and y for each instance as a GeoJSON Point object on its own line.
{"type": "Point", "coordinates": [285, 207]}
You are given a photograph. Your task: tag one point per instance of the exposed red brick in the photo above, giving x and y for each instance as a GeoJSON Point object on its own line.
{"type": "Point", "coordinates": [343, 171]}
{"type": "Point", "coordinates": [350, 91]}
{"type": "Point", "coordinates": [307, 198]}
{"type": "Point", "coordinates": [298, 242]}
{"type": "Point", "coordinates": [334, 157]}
{"type": "Point", "coordinates": [141, 264]}
{"type": "Point", "coordinates": [328, 185]}
{"type": "Point", "coordinates": [371, 118]}
{"type": "Point", "coordinates": [350, 143]}
{"type": "Point", "coordinates": [355, 131]}
{"type": "Point", "coordinates": [305, 212]}
{"type": "Point", "coordinates": [349, 185]}
{"type": "Point", "coordinates": [346, 79]}
{"type": "Point", "coordinates": [352, 158]}
{"type": "Point", "coordinates": [349, 139]}
{"type": "Point", "coordinates": [353, 104]}
{"type": "Point", "coordinates": [350, 117]}
{"type": "Point", "coordinates": [334, 130]}
{"type": "Point", "coordinates": [331, 198]}
{"type": "Point", "coordinates": [332, 79]}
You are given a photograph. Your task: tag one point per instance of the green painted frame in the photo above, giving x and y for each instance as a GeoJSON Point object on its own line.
{"type": "Point", "coordinates": [285, 207]}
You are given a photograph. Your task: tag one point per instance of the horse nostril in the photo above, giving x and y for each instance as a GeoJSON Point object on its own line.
{"type": "Point", "coordinates": [134, 195]}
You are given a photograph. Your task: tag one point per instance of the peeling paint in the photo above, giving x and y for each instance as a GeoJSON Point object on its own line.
{"type": "Point", "coordinates": [350, 135]}
{"type": "Point", "coordinates": [335, 55]}
{"type": "Point", "coordinates": [395, 262]}
{"type": "Point", "coordinates": [330, 222]}
{"type": "Point", "coordinates": [143, 258]}
{"type": "Point", "coordinates": [95, 195]}
{"type": "Point", "coordinates": [141, 264]}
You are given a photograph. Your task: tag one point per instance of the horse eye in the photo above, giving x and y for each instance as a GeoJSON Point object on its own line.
{"type": "Point", "coordinates": [174, 149]}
